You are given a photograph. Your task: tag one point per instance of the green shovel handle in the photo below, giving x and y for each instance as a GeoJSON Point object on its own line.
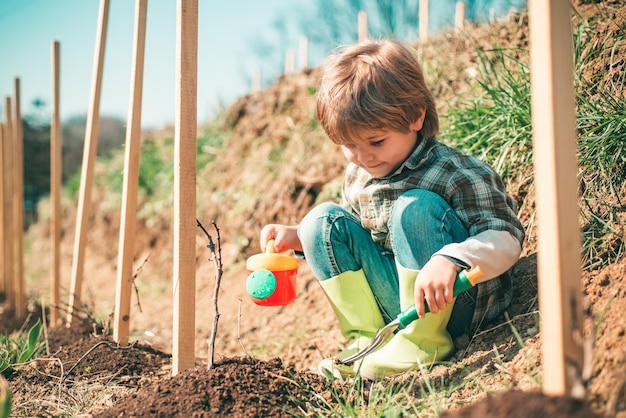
{"type": "Point", "coordinates": [465, 280]}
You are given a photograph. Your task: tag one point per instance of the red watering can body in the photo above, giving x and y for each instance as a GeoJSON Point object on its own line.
{"type": "Point", "coordinates": [272, 277]}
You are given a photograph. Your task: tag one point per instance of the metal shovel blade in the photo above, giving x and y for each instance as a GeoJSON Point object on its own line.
{"type": "Point", "coordinates": [381, 337]}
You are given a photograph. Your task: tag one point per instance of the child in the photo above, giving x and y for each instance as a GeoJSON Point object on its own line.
{"type": "Point", "coordinates": [414, 212]}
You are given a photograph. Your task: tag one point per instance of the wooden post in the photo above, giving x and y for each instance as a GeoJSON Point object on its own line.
{"type": "Point", "coordinates": [18, 204]}
{"type": "Point", "coordinates": [256, 80]}
{"type": "Point", "coordinates": [128, 221]}
{"type": "Point", "coordinates": [56, 169]}
{"type": "Point", "coordinates": [423, 20]}
{"type": "Point", "coordinates": [289, 62]}
{"type": "Point", "coordinates": [459, 18]}
{"type": "Point", "coordinates": [8, 175]}
{"type": "Point", "coordinates": [362, 26]}
{"type": "Point", "coordinates": [185, 185]}
{"type": "Point", "coordinates": [5, 285]}
{"type": "Point", "coordinates": [555, 144]}
{"type": "Point", "coordinates": [304, 53]}
{"type": "Point", "coordinates": [89, 157]}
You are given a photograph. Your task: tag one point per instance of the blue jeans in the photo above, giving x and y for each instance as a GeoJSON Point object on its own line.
{"type": "Point", "coordinates": [420, 224]}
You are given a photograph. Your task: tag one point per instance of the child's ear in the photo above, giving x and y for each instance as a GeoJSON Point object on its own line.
{"type": "Point", "coordinates": [419, 123]}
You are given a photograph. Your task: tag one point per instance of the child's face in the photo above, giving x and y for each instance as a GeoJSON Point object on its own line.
{"type": "Point", "coordinates": [380, 153]}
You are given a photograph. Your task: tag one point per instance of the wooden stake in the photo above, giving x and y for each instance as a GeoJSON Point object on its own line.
{"type": "Point", "coordinates": [554, 143]}
{"type": "Point", "coordinates": [128, 222]}
{"type": "Point", "coordinates": [459, 18]}
{"type": "Point", "coordinates": [18, 205]}
{"type": "Point", "coordinates": [362, 25]}
{"type": "Point", "coordinates": [56, 169]}
{"type": "Point", "coordinates": [8, 175]}
{"type": "Point", "coordinates": [256, 80]}
{"type": "Point", "coordinates": [89, 157]}
{"type": "Point", "coordinates": [303, 53]}
{"type": "Point", "coordinates": [185, 185]}
{"type": "Point", "coordinates": [289, 62]}
{"type": "Point", "coordinates": [5, 285]}
{"type": "Point", "coordinates": [423, 20]}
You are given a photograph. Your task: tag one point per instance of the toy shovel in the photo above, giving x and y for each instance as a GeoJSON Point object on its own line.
{"type": "Point", "coordinates": [465, 280]}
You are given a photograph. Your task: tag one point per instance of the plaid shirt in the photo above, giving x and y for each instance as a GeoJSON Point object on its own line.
{"type": "Point", "coordinates": [472, 189]}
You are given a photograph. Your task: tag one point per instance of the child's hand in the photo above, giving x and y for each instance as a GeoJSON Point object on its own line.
{"type": "Point", "coordinates": [435, 284]}
{"type": "Point", "coordinates": [285, 237]}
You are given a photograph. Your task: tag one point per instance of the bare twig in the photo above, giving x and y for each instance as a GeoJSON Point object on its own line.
{"type": "Point", "coordinates": [108, 344]}
{"type": "Point", "coordinates": [106, 327]}
{"type": "Point", "coordinates": [45, 326]}
{"type": "Point", "coordinates": [46, 373]}
{"type": "Point", "coordinates": [239, 330]}
{"type": "Point", "coordinates": [216, 257]}
{"type": "Point", "coordinates": [286, 379]}
{"type": "Point", "coordinates": [137, 271]}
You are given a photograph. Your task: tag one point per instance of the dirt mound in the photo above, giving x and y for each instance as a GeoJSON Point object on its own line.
{"type": "Point", "coordinates": [518, 404]}
{"type": "Point", "coordinates": [89, 370]}
{"type": "Point", "coordinates": [262, 389]}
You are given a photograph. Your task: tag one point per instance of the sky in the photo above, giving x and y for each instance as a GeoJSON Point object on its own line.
{"type": "Point", "coordinates": [226, 59]}
{"type": "Point", "coordinates": [228, 33]}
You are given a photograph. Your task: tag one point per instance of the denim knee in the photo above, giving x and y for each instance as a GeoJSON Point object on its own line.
{"type": "Point", "coordinates": [421, 223]}
{"type": "Point", "coordinates": [418, 206]}
{"type": "Point", "coordinates": [312, 225]}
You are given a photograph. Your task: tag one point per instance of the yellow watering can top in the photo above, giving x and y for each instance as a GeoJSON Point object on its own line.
{"type": "Point", "coordinates": [271, 261]}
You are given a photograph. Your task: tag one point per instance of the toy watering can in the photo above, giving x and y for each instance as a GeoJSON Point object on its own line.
{"type": "Point", "coordinates": [272, 277]}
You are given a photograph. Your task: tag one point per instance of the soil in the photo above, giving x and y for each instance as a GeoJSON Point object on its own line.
{"type": "Point", "coordinates": [265, 356]}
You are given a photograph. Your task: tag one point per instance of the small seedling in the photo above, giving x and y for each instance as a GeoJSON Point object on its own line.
{"type": "Point", "coordinates": [19, 349]}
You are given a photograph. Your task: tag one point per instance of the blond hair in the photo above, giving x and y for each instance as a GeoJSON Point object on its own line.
{"type": "Point", "coordinates": [370, 86]}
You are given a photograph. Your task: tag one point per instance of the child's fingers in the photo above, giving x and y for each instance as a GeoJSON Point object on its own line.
{"type": "Point", "coordinates": [449, 294]}
{"type": "Point", "coordinates": [433, 307]}
{"type": "Point", "coordinates": [437, 300]}
{"type": "Point", "coordinates": [268, 233]}
{"type": "Point", "coordinates": [279, 244]}
{"type": "Point", "coordinates": [420, 308]}
{"type": "Point", "coordinates": [440, 300]}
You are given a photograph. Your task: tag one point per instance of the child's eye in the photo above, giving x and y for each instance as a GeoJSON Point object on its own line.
{"type": "Point", "coordinates": [377, 143]}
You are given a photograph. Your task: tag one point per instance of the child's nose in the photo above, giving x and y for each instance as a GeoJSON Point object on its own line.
{"type": "Point", "coordinates": [365, 155]}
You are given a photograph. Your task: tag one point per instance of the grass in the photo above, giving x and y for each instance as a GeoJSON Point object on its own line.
{"type": "Point", "coordinates": [432, 389]}
{"type": "Point", "coordinates": [602, 149]}
{"type": "Point", "coordinates": [20, 348]}
{"type": "Point", "coordinates": [73, 399]}
{"type": "Point", "coordinates": [495, 126]}
{"type": "Point", "coordinates": [361, 398]}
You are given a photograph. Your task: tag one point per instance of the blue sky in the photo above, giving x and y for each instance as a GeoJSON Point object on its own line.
{"type": "Point", "coordinates": [225, 58]}
{"type": "Point", "coordinates": [227, 35]}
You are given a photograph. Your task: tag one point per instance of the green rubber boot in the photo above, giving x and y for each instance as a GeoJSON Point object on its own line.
{"type": "Point", "coordinates": [425, 340]}
{"type": "Point", "coordinates": [359, 317]}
